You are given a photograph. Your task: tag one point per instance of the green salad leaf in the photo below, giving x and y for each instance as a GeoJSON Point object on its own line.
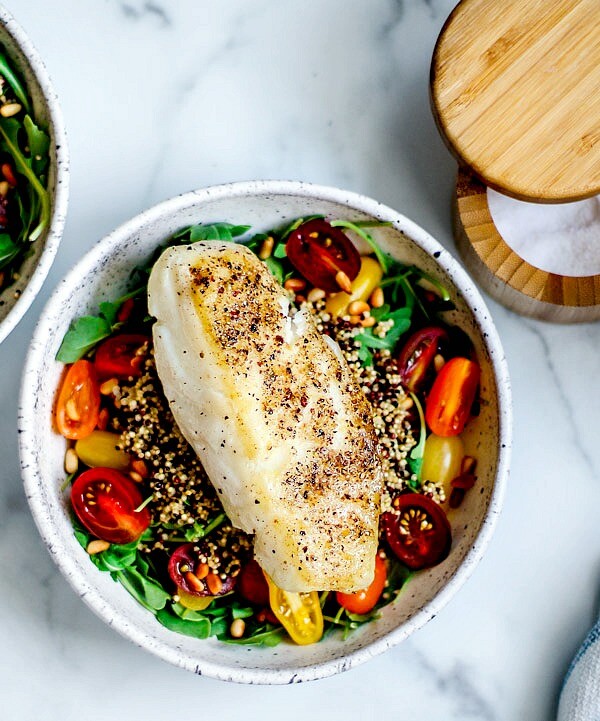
{"type": "Point", "coordinates": [11, 78]}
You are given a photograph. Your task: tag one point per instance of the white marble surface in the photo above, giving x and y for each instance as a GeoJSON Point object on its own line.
{"type": "Point", "coordinates": [161, 96]}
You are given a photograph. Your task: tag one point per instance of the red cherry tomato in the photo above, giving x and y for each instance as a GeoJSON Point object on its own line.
{"type": "Point", "coordinates": [78, 402]}
{"type": "Point", "coordinates": [417, 356]}
{"type": "Point", "coordinates": [418, 532]}
{"type": "Point", "coordinates": [318, 251]}
{"type": "Point", "coordinates": [252, 584]}
{"type": "Point", "coordinates": [117, 357]}
{"type": "Point", "coordinates": [105, 502]}
{"type": "Point", "coordinates": [362, 602]}
{"type": "Point", "coordinates": [190, 572]}
{"type": "Point", "coordinates": [449, 403]}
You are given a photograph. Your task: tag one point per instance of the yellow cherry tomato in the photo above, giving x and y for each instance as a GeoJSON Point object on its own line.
{"type": "Point", "coordinates": [194, 603]}
{"type": "Point", "coordinates": [368, 278]}
{"type": "Point", "coordinates": [299, 613]}
{"type": "Point", "coordinates": [100, 449]}
{"type": "Point", "coordinates": [442, 460]}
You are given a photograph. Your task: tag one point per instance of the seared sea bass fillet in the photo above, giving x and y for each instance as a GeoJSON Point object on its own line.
{"type": "Point", "coordinates": [284, 432]}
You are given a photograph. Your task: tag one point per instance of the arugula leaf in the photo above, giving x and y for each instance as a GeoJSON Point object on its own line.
{"type": "Point", "coordinates": [415, 460]}
{"type": "Point", "coordinates": [146, 591]}
{"type": "Point", "coordinates": [196, 629]}
{"type": "Point", "coordinates": [379, 254]}
{"type": "Point", "coordinates": [279, 251]}
{"type": "Point", "coordinates": [9, 130]}
{"type": "Point", "coordinates": [116, 557]}
{"type": "Point", "coordinates": [7, 73]}
{"type": "Point", "coordinates": [39, 144]}
{"type": "Point", "coordinates": [8, 249]}
{"type": "Point", "coordinates": [268, 636]}
{"type": "Point", "coordinates": [81, 337]}
{"type": "Point", "coordinates": [276, 269]}
{"type": "Point", "coordinates": [216, 231]}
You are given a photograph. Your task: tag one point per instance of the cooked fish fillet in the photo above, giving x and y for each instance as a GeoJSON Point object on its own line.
{"type": "Point", "coordinates": [285, 434]}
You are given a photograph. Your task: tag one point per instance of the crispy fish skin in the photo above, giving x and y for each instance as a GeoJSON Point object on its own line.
{"type": "Point", "coordinates": [284, 432]}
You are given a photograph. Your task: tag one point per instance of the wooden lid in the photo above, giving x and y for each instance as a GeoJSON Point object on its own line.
{"type": "Point", "coordinates": [515, 88]}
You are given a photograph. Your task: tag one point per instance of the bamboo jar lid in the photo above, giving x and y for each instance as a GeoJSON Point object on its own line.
{"type": "Point", "coordinates": [515, 88]}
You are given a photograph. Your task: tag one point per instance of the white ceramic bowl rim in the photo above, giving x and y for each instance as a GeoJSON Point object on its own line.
{"type": "Point", "coordinates": [53, 235]}
{"type": "Point", "coordinates": [33, 483]}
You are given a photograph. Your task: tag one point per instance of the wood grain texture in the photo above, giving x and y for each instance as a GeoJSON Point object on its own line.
{"type": "Point", "coordinates": [508, 278]}
{"type": "Point", "coordinates": [515, 90]}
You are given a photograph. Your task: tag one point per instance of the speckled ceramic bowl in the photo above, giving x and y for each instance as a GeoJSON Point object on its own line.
{"type": "Point", "coordinates": [17, 298]}
{"type": "Point", "coordinates": [102, 275]}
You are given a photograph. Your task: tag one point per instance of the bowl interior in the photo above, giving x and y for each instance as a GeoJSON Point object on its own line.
{"type": "Point", "coordinates": [102, 275]}
{"type": "Point", "coordinates": [15, 299]}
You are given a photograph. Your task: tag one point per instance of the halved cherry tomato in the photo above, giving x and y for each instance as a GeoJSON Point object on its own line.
{"type": "Point", "coordinates": [100, 449]}
{"type": "Point", "coordinates": [442, 459]}
{"type": "Point", "coordinates": [299, 613]}
{"type": "Point", "coordinates": [78, 402]}
{"type": "Point", "coordinates": [194, 603]}
{"type": "Point", "coordinates": [449, 403]}
{"type": "Point", "coordinates": [252, 584]}
{"type": "Point", "coordinates": [189, 572]}
{"type": "Point", "coordinates": [417, 356]}
{"type": "Point", "coordinates": [318, 251]}
{"type": "Point", "coordinates": [418, 532]}
{"type": "Point", "coordinates": [105, 502]}
{"type": "Point", "coordinates": [117, 357]}
{"type": "Point", "coordinates": [362, 602]}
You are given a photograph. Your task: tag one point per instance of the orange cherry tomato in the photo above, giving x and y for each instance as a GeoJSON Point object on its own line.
{"type": "Point", "coordinates": [362, 602]}
{"type": "Point", "coordinates": [449, 403]}
{"type": "Point", "coordinates": [78, 402]}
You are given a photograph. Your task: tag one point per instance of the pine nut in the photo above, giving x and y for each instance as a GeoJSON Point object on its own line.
{"type": "Point", "coordinates": [139, 467]}
{"type": "Point", "coordinates": [377, 298]}
{"type": "Point", "coordinates": [97, 546]}
{"type": "Point", "coordinates": [71, 461]}
{"type": "Point", "coordinates": [358, 307]}
{"type": "Point", "coordinates": [201, 571]}
{"type": "Point", "coordinates": [315, 295]}
{"type": "Point", "coordinates": [135, 477]}
{"type": "Point", "coordinates": [368, 322]}
{"type": "Point", "coordinates": [355, 319]}
{"type": "Point", "coordinates": [107, 388]}
{"type": "Point", "coordinates": [343, 281]}
{"type": "Point", "coordinates": [295, 284]}
{"type": "Point", "coordinates": [71, 410]}
{"type": "Point", "coordinates": [4, 188]}
{"type": "Point", "coordinates": [266, 248]}
{"type": "Point", "coordinates": [468, 465]}
{"type": "Point", "coordinates": [195, 583]}
{"type": "Point", "coordinates": [237, 628]}
{"type": "Point", "coordinates": [214, 583]}
{"type": "Point", "coordinates": [438, 362]}
{"type": "Point", "coordinates": [10, 109]}
{"type": "Point", "coordinates": [299, 299]}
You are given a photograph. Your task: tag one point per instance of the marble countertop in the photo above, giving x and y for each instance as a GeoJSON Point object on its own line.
{"type": "Point", "coordinates": [162, 96]}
